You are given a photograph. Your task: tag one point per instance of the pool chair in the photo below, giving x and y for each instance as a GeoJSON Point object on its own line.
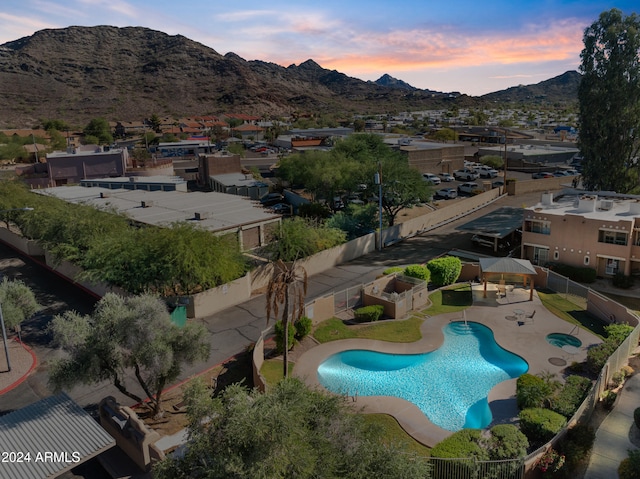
{"type": "Point", "coordinates": [529, 317]}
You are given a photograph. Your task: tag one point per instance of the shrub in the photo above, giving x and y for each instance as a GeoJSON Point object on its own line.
{"type": "Point", "coordinates": [575, 273]}
{"type": "Point", "coordinates": [550, 463]}
{"type": "Point", "coordinates": [573, 392]}
{"type": "Point", "coordinates": [540, 425]}
{"type": "Point", "coordinates": [444, 271]}
{"type": "Point", "coordinates": [393, 269]}
{"type": "Point", "coordinates": [618, 332]}
{"type": "Point", "coordinates": [598, 355]}
{"type": "Point", "coordinates": [576, 444]}
{"type": "Point", "coordinates": [630, 467]}
{"type": "Point", "coordinates": [531, 391]}
{"type": "Point", "coordinates": [303, 327]}
{"type": "Point", "coordinates": [369, 313]}
{"type": "Point", "coordinates": [418, 271]}
{"type": "Point", "coordinates": [636, 417]}
{"type": "Point", "coordinates": [608, 400]}
{"type": "Point", "coordinates": [620, 280]}
{"type": "Point", "coordinates": [506, 442]}
{"type": "Point", "coordinates": [462, 444]}
{"type": "Point", "coordinates": [279, 330]}
{"type": "Point", "coordinates": [617, 379]}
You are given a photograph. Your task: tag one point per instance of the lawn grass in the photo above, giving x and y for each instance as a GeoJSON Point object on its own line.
{"type": "Point", "coordinates": [450, 300]}
{"type": "Point", "coordinates": [406, 331]}
{"type": "Point", "coordinates": [394, 434]}
{"type": "Point", "coordinates": [572, 313]}
{"type": "Point", "coordinates": [271, 371]}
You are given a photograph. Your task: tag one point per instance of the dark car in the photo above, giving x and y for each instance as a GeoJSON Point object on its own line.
{"type": "Point", "coordinates": [541, 174]}
{"type": "Point", "coordinates": [271, 199]}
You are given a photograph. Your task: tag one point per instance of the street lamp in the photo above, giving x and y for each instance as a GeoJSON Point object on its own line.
{"type": "Point", "coordinates": [378, 181]}
{"type": "Point", "coordinates": [4, 331]}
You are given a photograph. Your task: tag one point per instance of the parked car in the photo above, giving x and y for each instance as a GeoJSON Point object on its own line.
{"type": "Point", "coordinates": [488, 241]}
{"type": "Point", "coordinates": [486, 171]}
{"type": "Point", "coordinates": [447, 193]}
{"type": "Point", "coordinates": [281, 208]}
{"type": "Point", "coordinates": [466, 174]}
{"type": "Point", "coordinates": [469, 187]}
{"type": "Point", "coordinates": [497, 183]}
{"type": "Point", "coordinates": [431, 178]}
{"type": "Point", "coordinates": [271, 199]}
{"type": "Point", "coordinates": [541, 174]}
{"type": "Point", "coordinates": [446, 177]}
{"type": "Point", "coordinates": [560, 173]}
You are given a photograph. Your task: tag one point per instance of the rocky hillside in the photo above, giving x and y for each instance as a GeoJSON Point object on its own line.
{"type": "Point", "coordinates": [79, 73]}
{"type": "Point", "coordinates": [561, 88]}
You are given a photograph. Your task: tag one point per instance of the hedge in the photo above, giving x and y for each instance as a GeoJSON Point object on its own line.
{"type": "Point", "coordinates": [571, 395]}
{"type": "Point", "coordinates": [303, 327]}
{"type": "Point", "coordinates": [393, 269]}
{"type": "Point", "coordinates": [531, 391]}
{"type": "Point", "coordinates": [418, 271]}
{"type": "Point", "coordinates": [574, 273]}
{"type": "Point", "coordinates": [445, 270]}
{"type": "Point", "coordinates": [540, 425]}
{"type": "Point", "coordinates": [369, 313]}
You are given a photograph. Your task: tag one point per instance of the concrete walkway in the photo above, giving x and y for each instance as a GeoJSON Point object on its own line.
{"type": "Point", "coordinates": [613, 435]}
{"type": "Point", "coordinates": [22, 360]}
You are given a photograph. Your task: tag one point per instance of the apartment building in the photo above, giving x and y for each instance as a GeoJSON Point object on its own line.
{"type": "Point", "coordinates": [600, 232]}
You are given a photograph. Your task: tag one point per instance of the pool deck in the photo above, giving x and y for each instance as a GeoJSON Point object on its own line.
{"type": "Point", "coordinates": [515, 333]}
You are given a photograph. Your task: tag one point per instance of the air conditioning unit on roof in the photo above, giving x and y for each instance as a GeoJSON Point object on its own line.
{"type": "Point", "coordinates": [606, 204]}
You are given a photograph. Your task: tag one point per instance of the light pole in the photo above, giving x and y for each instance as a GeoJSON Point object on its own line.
{"type": "Point", "coordinates": [378, 181]}
{"type": "Point", "coordinates": [4, 331]}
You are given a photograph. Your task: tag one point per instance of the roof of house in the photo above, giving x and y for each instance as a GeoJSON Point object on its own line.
{"type": "Point", "coordinates": [54, 424]}
{"type": "Point", "coordinates": [497, 224]}
{"type": "Point", "coordinates": [218, 211]}
{"type": "Point", "coordinates": [507, 265]}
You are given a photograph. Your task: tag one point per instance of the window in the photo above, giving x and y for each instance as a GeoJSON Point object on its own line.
{"type": "Point", "coordinates": [611, 266]}
{"type": "Point", "coordinates": [538, 226]}
{"type": "Point", "coordinates": [556, 255]}
{"type": "Point", "coordinates": [586, 260]}
{"type": "Point", "coordinates": [540, 255]}
{"type": "Point", "coordinates": [612, 237]}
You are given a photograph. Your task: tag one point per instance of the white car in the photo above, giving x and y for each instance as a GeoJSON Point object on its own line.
{"type": "Point", "coordinates": [447, 193]}
{"type": "Point", "coordinates": [466, 174]}
{"type": "Point", "coordinates": [486, 171]}
{"type": "Point", "coordinates": [469, 187]}
{"type": "Point", "coordinates": [431, 178]}
{"type": "Point", "coordinates": [447, 177]}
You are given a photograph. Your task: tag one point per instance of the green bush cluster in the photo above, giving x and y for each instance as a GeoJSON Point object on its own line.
{"type": "Point", "coordinates": [531, 391]}
{"type": "Point", "coordinates": [609, 399]}
{"type": "Point", "coordinates": [540, 425]}
{"type": "Point", "coordinates": [303, 327]}
{"type": "Point", "coordinates": [598, 355]}
{"type": "Point", "coordinates": [575, 273]}
{"type": "Point", "coordinates": [576, 445]}
{"type": "Point", "coordinates": [569, 398]}
{"type": "Point", "coordinates": [620, 280]}
{"type": "Point", "coordinates": [418, 271]}
{"type": "Point", "coordinates": [279, 332]}
{"type": "Point", "coordinates": [630, 467]}
{"type": "Point", "coordinates": [369, 313]}
{"type": "Point", "coordinates": [445, 270]}
{"type": "Point", "coordinates": [393, 269]}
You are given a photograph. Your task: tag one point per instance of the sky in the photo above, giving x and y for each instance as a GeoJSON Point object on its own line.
{"type": "Point", "coordinates": [470, 46]}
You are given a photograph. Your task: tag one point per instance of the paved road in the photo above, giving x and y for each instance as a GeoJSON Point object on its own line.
{"type": "Point", "coordinates": [230, 331]}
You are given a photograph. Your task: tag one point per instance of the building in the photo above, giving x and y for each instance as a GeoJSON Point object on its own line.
{"type": "Point", "coordinates": [600, 232]}
{"type": "Point", "coordinates": [218, 213]}
{"type": "Point", "coordinates": [430, 157]}
{"type": "Point", "coordinates": [521, 154]}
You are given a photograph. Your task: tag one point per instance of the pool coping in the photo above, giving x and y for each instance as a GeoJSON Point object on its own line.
{"type": "Point", "coordinates": [524, 338]}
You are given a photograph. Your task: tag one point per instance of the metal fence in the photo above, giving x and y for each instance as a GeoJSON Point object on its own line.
{"type": "Point", "coordinates": [572, 291]}
{"type": "Point", "coordinates": [470, 468]}
{"type": "Point", "coordinates": [346, 299]}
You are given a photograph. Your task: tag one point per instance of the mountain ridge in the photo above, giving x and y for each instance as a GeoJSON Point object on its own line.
{"type": "Point", "coordinates": [78, 73]}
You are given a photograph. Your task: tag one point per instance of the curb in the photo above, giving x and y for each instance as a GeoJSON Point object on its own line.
{"type": "Point", "coordinates": [24, 376]}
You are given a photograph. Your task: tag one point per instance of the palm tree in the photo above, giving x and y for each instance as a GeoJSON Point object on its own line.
{"type": "Point", "coordinates": [288, 286]}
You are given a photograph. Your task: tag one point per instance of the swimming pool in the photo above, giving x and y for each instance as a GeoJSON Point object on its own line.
{"type": "Point", "coordinates": [450, 385]}
{"type": "Point", "coordinates": [561, 340]}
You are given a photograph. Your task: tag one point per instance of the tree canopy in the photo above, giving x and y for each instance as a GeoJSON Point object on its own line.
{"type": "Point", "coordinates": [289, 431]}
{"type": "Point", "coordinates": [17, 301]}
{"type": "Point", "coordinates": [125, 333]}
{"type": "Point", "coordinates": [609, 97]}
{"type": "Point", "coordinates": [98, 129]}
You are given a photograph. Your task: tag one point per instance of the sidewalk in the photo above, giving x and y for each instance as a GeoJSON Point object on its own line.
{"type": "Point", "coordinates": [23, 361]}
{"type": "Point", "coordinates": [613, 435]}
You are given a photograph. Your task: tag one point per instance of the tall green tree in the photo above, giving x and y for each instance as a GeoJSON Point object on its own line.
{"type": "Point", "coordinates": [99, 129]}
{"type": "Point", "coordinates": [609, 97]}
{"type": "Point", "coordinates": [288, 432]}
{"type": "Point", "coordinates": [17, 301]}
{"type": "Point", "coordinates": [121, 335]}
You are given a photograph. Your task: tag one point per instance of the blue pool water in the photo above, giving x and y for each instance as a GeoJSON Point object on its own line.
{"type": "Point", "coordinates": [561, 339]}
{"type": "Point", "coordinates": [450, 385]}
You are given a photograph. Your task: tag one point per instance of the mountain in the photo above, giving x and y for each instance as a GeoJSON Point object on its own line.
{"type": "Point", "coordinates": [79, 73]}
{"type": "Point", "coordinates": [561, 88]}
{"type": "Point", "coordinates": [389, 81]}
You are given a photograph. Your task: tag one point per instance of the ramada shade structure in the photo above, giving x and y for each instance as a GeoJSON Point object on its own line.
{"type": "Point", "coordinates": [510, 266]}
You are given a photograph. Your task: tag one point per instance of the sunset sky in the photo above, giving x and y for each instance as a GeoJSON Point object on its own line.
{"type": "Point", "coordinates": [460, 45]}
